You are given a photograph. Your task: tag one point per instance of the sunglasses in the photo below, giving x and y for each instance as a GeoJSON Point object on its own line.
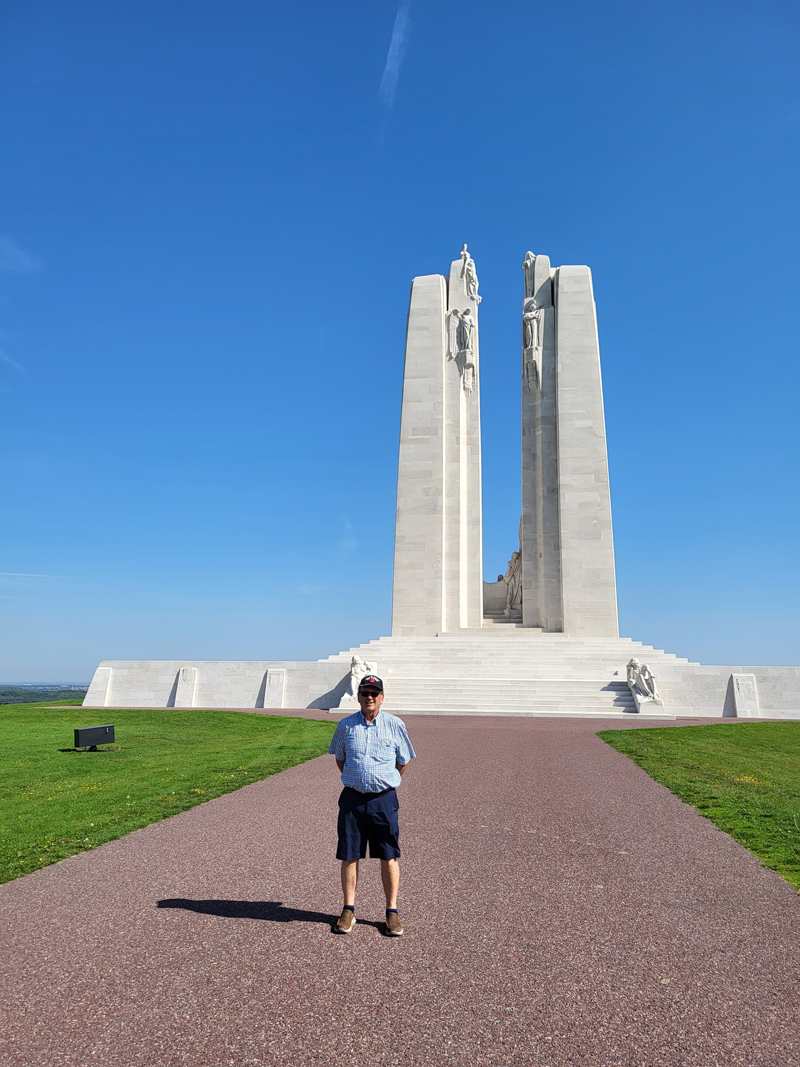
{"type": "Point", "coordinates": [369, 692]}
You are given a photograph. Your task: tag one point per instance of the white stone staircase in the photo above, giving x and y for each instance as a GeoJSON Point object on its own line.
{"type": "Point", "coordinates": [507, 669]}
{"type": "Point", "coordinates": [499, 618]}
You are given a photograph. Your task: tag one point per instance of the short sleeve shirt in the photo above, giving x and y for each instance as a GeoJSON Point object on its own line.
{"type": "Point", "coordinates": [371, 751]}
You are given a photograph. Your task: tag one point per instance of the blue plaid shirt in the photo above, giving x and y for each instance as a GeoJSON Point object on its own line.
{"type": "Point", "coordinates": [371, 751]}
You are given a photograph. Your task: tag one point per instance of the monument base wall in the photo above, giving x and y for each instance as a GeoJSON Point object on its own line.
{"type": "Point", "coordinates": [216, 684]}
{"type": "Point", "coordinates": [500, 669]}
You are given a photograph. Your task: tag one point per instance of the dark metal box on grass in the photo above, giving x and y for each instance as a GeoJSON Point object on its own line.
{"type": "Point", "coordinates": [92, 736]}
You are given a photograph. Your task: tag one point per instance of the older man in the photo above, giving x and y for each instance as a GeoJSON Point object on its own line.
{"type": "Point", "coordinates": [372, 751]}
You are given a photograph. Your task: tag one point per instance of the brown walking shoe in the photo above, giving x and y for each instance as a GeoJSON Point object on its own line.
{"type": "Point", "coordinates": [346, 921]}
{"type": "Point", "coordinates": [394, 927]}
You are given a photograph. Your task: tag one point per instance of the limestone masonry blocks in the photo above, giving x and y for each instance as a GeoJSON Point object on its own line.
{"type": "Point", "coordinates": [438, 565]}
{"type": "Point", "coordinates": [418, 589]}
{"type": "Point", "coordinates": [588, 581]}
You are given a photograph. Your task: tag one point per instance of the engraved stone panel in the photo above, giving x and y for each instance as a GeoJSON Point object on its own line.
{"type": "Point", "coordinates": [274, 689]}
{"type": "Point", "coordinates": [745, 696]}
{"type": "Point", "coordinates": [185, 689]}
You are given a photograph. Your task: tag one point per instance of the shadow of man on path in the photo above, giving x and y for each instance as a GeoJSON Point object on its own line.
{"type": "Point", "coordinates": [271, 910]}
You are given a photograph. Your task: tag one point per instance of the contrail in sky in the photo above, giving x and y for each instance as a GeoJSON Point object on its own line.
{"type": "Point", "coordinates": [11, 362]}
{"type": "Point", "coordinates": [16, 259]}
{"type": "Point", "coordinates": [396, 54]}
{"type": "Point", "coordinates": [20, 574]}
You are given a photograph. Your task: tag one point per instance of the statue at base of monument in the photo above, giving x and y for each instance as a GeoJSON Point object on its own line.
{"type": "Point", "coordinates": [513, 580]}
{"type": "Point", "coordinates": [642, 684]}
{"type": "Point", "coordinates": [358, 668]}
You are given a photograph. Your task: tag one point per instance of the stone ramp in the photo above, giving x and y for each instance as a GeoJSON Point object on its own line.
{"type": "Point", "coordinates": [561, 908]}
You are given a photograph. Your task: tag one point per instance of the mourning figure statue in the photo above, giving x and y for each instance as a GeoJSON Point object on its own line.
{"type": "Point", "coordinates": [641, 681]}
{"type": "Point", "coordinates": [513, 580]}
{"type": "Point", "coordinates": [358, 668]}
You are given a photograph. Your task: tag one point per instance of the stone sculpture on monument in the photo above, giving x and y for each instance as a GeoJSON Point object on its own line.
{"type": "Point", "coordinates": [358, 670]}
{"type": "Point", "coordinates": [461, 345]}
{"type": "Point", "coordinates": [469, 274]}
{"type": "Point", "coordinates": [532, 321]}
{"type": "Point", "coordinates": [513, 580]}
{"type": "Point", "coordinates": [528, 268]}
{"type": "Point", "coordinates": [642, 684]}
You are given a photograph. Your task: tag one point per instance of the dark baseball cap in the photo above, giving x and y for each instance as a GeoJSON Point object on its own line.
{"type": "Point", "coordinates": [371, 680]}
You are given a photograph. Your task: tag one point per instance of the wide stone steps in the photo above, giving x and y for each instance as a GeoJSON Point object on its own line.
{"type": "Point", "coordinates": [521, 689]}
{"type": "Point", "coordinates": [498, 662]}
{"type": "Point", "coordinates": [511, 697]}
{"type": "Point", "coordinates": [506, 669]}
{"type": "Point", "coordinates": [598, 711]}
{"type": "Point", "coordinates": [499, 657]}
{"type": "Point", "coordinates": [518, 646]}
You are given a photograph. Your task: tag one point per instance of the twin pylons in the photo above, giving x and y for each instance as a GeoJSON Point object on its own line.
{"type": "Point", "coordinates": [566, 542]}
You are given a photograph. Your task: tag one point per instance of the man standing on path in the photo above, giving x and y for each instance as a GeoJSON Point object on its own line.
{"type": "Point", "coordinates": [372, 751]}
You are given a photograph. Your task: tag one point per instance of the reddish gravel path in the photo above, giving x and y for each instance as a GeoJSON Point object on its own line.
{"type": "Point", "coordinates": [561, 909]}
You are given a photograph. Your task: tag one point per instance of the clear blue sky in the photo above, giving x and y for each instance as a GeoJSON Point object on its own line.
{"type": "Point", "coordinates": [210, 214]}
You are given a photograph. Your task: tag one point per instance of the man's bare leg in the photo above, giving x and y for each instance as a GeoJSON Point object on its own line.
{"type": "Point", "coordinates": [390, 876]}
{"type": "Point", "coordinates": [349, 881]}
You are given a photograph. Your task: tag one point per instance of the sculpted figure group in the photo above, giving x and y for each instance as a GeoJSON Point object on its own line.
{"type": "Point", "coordinates": [461, 344]}
{"type": "Point", "coordinates": [532, 326]}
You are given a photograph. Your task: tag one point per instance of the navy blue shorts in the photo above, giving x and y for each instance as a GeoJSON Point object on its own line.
{"type": "Point", "coordinates": [368, 818]}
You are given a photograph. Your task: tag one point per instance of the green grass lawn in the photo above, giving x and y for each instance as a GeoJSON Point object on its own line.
{"type": "Point", "coordinates": [56, 801]}
{"type": "Point", "coordinates": [745, 778]}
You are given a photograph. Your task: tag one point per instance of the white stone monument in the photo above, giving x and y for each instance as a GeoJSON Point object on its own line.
{"type": "Point", "coordinates": [543, 638]}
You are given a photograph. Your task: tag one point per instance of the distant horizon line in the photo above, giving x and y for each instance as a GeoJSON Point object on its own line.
{"type": "Point", "coordinates": [45, 685]}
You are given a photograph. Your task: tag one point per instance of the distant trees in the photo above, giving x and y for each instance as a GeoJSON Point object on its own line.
{"type": "Point", "coordinates": [30, 694]}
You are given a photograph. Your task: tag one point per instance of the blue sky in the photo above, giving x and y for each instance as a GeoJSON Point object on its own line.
{"type": "Point", "coordinates": [210, 214]}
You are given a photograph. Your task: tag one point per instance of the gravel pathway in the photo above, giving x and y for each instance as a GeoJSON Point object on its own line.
{"type": "Point", "coordinates": [561, 909]}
